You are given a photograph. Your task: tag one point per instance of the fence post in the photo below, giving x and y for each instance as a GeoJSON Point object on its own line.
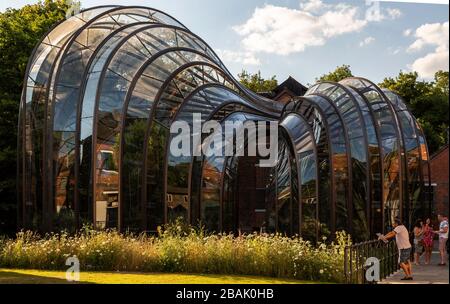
{"type": "Point", "coordinates": [364, 259]}
{"type": "Point", "coordinates": [351, 265]}
{"type": "Point", "coordinates": [387, 262]}
{"type": "Point", "coordinates": [391, 259]}
{"type": "Point", "coordinates": [346, 249]}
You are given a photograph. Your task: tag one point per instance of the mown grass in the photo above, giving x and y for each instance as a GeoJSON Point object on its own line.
{"type": "Point", "coordinates": [179, 249]}
{"type": "Point", "coordinates": [25, 276]}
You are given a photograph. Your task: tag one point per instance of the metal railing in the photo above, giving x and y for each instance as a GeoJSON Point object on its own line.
{"type": "Point", "coordinates": [356, 256]}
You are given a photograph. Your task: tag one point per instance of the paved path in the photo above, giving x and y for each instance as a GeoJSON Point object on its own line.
{"type": "Point", "coordinates": [423, 274]}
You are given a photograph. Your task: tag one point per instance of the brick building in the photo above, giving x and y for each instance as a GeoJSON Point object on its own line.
{"type": "Point", "coordinates": [439, 180]}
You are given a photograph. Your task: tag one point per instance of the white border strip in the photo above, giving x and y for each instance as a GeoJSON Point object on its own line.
{"type": "Point", "coordinates": [445, 2]}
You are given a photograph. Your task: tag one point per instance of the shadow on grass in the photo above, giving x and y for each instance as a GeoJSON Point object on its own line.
{"type": "Point", "coordinates": [21, 276]}
{"type": "Point", "coordinates": [243, 279]}
{"type": "Point", "coordinates": [11, 277]}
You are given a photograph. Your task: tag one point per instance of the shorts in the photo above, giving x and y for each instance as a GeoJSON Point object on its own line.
{"type": "Point", "coordinates": [404, 255]}
{"type": "Point", "coordinates": [442, 244]}
{"type": "Point", "coordinates": [418, 248]}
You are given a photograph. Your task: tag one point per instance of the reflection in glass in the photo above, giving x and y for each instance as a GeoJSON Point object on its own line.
{"type": "Point", "coordinates": [391, 148]}
{"type": "Point", "coordinates": [350, 113]}
{"type": "Point", "coordinates": [137, 49]}
{"type": "Point", "coordinates": [66, 91]}
{"type": "Point", "coordinates": [140, 102]}
{"type": "Point", "coordinates": [305, 162]}
{"type": "Point", "coordinates": [412, 207]}
{"type": "Point", "coordinates": [283, 186]}
{"type": "Point", "coordinates": [333, 173]}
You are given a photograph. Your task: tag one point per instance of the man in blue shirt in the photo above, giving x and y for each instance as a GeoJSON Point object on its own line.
{"type": "Point", "coordinates": [443, 237]}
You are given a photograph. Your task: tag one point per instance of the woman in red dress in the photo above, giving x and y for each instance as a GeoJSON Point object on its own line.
{"type": "Point", "coordinates": [428, 240]}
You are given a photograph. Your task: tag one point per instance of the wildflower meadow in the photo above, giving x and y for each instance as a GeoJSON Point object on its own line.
{"type": "Point", "coordinates": [177, 249]}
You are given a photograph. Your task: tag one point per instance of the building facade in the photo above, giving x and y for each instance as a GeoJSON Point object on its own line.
{"type": "Point", "coordinates": [103, 89]}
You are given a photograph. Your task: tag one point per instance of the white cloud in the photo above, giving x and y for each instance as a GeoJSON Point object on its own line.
{"type": "Point", "coordinates": [366, 41]}
{"type": "Point", "coordinates": [246, 58]}
{"type": "Point", "coordinates": [281, 30]}
{"type": "Point", "coordinates": [436, 36]}
{"type": "Point", "coordinates": [312, 5]}
{"type": "Point", "coordinates": [407, 32]}
{"type": "Point", "coordinates": [430, 34]}
{"type": "Point", "coordinates": [393, 13]}
{"type": "Point", "coordinates": [376, 14]}
{"type": "Point", "coordinates": [428, 65]}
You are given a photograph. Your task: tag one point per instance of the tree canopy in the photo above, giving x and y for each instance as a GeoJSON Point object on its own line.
{"type": "Point", "coordinates": [341, 72]}
{"type": "Point", "coordinates": [428, 101]}
{"type": "Point", "coordinates": [256, 82]}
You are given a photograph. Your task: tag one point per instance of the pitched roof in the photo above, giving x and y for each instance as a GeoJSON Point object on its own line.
{"type": "Point", "coordinates": [292, 85]}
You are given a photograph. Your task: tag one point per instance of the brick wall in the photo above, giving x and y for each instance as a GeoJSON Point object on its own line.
{"type": "Point", "coordinates": [439, 176]}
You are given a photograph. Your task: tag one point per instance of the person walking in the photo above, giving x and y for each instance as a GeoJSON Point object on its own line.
{"type": "Point", "coordinates": [443, 237]}
{"type": "Point", "coordinates": [418, 241]}
{"type": "Point", "coordinates": [428, 236]}
{"type": "Point", "coordinates": [401, 235]}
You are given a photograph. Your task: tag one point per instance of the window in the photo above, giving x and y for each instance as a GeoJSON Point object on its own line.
{"type": "Point", "coordinates": [107, 161]}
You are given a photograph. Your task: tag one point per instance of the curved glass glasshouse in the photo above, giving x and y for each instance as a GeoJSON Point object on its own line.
{"type": "Point", "coordinates": [102, 90]}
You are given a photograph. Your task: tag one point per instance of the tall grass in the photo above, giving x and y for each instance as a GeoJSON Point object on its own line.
{"type": "Point", "coordinates": [177, 249]}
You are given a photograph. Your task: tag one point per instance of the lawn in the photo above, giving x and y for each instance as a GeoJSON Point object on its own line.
{"type": "Point", "coordinates": [25, 276]}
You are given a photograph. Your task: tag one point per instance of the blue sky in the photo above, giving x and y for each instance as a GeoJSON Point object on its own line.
{"type": "Point", "coordinates": [307, 38]}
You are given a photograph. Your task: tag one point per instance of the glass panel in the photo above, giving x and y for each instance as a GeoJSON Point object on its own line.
{"type": "Point", "coordinates": [77, 55]}
{"type": "Point", "coordinates": [136, 122]}
{"type": "Point", "coordinates": [166, 19]}
{"type": "Point", "coordinates": [139, 109]}
{"type": "Point", "coordinates": [121, 70]}
{"type": "Point", "coordinates": [178, 168]}
{"type": "Point", "coordinates": [360, 170]}
{"type": "Point", "coordinates": [89, 89]}
{"type": "Point", "coordinates": [373, 150]}
{"type": "Point", "coordinates": [336, 133]}
{"type": "Point", "coordinates": [425, 195]}
{"type": "Point", "coordinates": [168, 105]}
{"type": "Point", "coordinates": [237, 212]}
{"type": "Point", "coordinates": [283, 189]}
{"type": "Point", "coordinates": [210, 207]}
{"type": "Point", "coordinates": [391, 148]}
{"type": "Point", "coordinates": [308, 166]}
{"type": "Point", "coordinates": [413, 208]}
{"type": "Point", "coordinates": [230, 184]}
{"type": "Point", "coordinates": [35, 108]}
{"type": "Point", "coordinates": [315, 118]}
{"type": "Point", "coordinates": [305, 148]}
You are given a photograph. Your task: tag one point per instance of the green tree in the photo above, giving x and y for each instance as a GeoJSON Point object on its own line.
{"type": "Point", "coordinates": [428, 101]}
{"type": "Point", "coordinates": [441, 82]}
{"type": "Point", "coordinates": [341, 72]}
{"type": "Point", "coordinates": [20, 31]}
{"type": "Point", "coordinates": [256, 82]}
